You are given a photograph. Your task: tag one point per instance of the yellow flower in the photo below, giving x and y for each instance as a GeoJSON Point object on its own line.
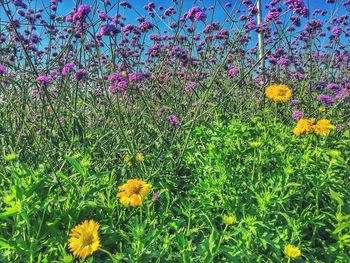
{"type": "Point", "coordinates": [140, 157]}
{"type": "Point", "coordinates": [269, 92]}
{"type": "Point", "coordinates": [292, 251]}
{"type": "Point", "coordinates": [304, 126]}
{"type": "Point", "coordinates": [133, 192]}
{"type": "Point", "coordinates": [278, 92]}
{"type": "Point", "coordinates": [84, 239]}
{"type": "Point", "coordinates": [127, 160]}
{"type": "Point", "coordinates": [322, 126]}
{"type": "Point", "coordinates": [229, 220]}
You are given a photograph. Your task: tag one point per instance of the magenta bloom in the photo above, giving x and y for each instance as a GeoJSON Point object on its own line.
{"type": "Point", "coordinates": [325, 99]}
{"type": "Point", "coordinates": [43, 80]}
{"type": "Point", "coordinates": [137, 77]}
{"type": "Point", "coordinates": [2, 69]}
{"type": "Point", "coordinates": [82, 12]}
{"type": "Point", "coordinates": [337, 31]}
{"type": "Point", "coordinates": [233, 71]}
{"type": "Point", "coordinates": [190, 86]}
{"type": "Point", "coordinates": [107, 30]}
{"type": "Point", "coordinates": [80, 74]}
{"type": "Point", "coordinates": [173, 120]}
{"type": "Point", "coordinates": [294, 102]}
{"type": "Point", "coordinates": [68, 68]}
{"type": "Point", "coordinates": [118, 82]}
{"type": "Point", "coordinates": [297, 114]}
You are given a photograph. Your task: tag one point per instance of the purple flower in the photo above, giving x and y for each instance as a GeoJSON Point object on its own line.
{"type": "Point", "coordinates": [80, 74]}
{"type": "Point", "coordinates": [155, 196]}
{"type": "Point", "coordinates": [43, 80]}
{"type": "Point", "coordinates": [118, 82]}
{"type": "Point", "coordinates": [2, 70]}
{"type": "Point", "coordinates": [200, 16]}
{"type": "Point", "coordinates": [173, 120]}
{"type": "Point", "coordinates": [297, 114]}
{"type": "Point", "coordinates": [125, 4]}
{"type": "Point", "coordinates": [107, 30]}
{"type": "Point", "coordinates": [196, 14]}
{"type": "Point", "coordinates": [272, 15]}
{"type": "Point", "coordinates": [325, 99]}
{"type": "Point", "coordinates": [294, 102]}
{"type": "Point", "coordinates": [284, 62]}
{"type": "Point", "coordinates": [336, 31]}
{"type": "Point", "coordinates": [137, 77]}
{"type": "Point", "coordinates": [67, 68]}
{"type": "Point", "coordinates": [233, 71]}
{"type": "Point", "coordinates": [339, 127]}
{"type": "Point", "coordinates": [82, 12]}
{"type": "Point", "coordinates": [190, 86]}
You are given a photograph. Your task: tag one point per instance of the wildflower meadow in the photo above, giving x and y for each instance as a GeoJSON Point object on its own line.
{"type": "Point", "coordinates": [174, 131]}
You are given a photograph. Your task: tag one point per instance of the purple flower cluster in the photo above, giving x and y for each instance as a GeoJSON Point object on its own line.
{"type": "Point", "coordinates": [67, 68]}
{"type": "Point", "coordinates": [173, 120]}
{"type": "Point", "coordinates": [297, 114]}
{"type": "Point", "coordinates": [137, 77]}
{"type": "Point", "coordinates": [80, 74]}
{"type": "Point", "coordinates": [196, 14]}
{"type": "Point", "coordinates": [326, 99]}
{"type": "Point", "coordinates": [118, 82]}
{"type": "Point", "coordinates": [233, 71]}
{"type": "Point", "coordinates": [108, 29]}
{"type": "Point", "coordinates": [81, 13]}
{"type": "Point", "coordinates": [191, 85]}
{"type": "Point", "coordinates": [2, 70]}
{"type": "Point", "coordinates": [43, 80]}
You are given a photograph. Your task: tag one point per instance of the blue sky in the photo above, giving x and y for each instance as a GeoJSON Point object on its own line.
{"type": "Point", "coordinates": [131, 14]}
{"type": "Point", "coordinates": [138, 5]}
{"type": "Point", "coordinates": [219, 15]}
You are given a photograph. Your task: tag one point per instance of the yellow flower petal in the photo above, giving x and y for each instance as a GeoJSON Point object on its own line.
{"type": "Point", "coordinates": [135, 200]}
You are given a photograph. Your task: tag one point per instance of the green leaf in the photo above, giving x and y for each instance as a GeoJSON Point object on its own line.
{"type": "Point", "coordinates": [5, 245]}
{"type": "Point", "coordinates": [337, 197]}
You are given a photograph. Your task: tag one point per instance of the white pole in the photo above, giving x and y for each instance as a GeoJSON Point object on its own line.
{"type": "Point", "coordinates": [260, 35]}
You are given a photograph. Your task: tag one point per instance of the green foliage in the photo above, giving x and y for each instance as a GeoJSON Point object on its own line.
{"type": "Point", "coordinates": [279, 188]}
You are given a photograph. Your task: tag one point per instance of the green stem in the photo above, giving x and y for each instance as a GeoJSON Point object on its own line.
{"type": "Point", "coordinates": [109, 254]}
{"type": "Point", "coordinates": [253, 170]}
{"type": "Point", "coordinates": [141, 214]}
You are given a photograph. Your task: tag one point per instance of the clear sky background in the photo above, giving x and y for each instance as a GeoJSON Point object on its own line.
{"type": "Point", "coordinates": [67, 5]}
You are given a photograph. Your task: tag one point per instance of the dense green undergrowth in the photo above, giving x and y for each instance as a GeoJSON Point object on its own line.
{"type": "Point", "coordinates": [277, 188]}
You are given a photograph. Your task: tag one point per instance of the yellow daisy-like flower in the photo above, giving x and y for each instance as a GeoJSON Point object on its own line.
{"type": "Point", "coordinates": [84, 239]}
{"type": "Point", "coordinates": [140, 157]}
{"type": "Point", "coordinates": [292, 251]}
{"type": "Point", "coordinates": [133, 192]}
{"type": "Point", "coordinates": [278, 92]}
{"type": "Point", "coordinates": [229, 220]}
{"type": "Point", "coordinates": [304, 126]}
{"type": "Point", "coordinates": [322, 126]}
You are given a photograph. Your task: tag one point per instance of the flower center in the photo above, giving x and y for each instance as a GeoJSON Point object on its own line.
{"type": "Point", "coordinates": [87, 238]}
{"type": "Point", "coordinates": [135, 189]}
{"type": "Point", "coordinates": [282, 92]}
